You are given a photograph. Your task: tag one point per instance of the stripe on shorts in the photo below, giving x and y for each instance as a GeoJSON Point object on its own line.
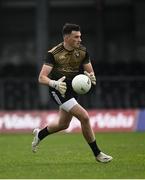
{"type": "Point", "coordinates": [56, 97]}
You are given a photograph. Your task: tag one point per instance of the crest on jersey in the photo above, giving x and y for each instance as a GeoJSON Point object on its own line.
{"type": "Point", "coordinates": [77, 54]}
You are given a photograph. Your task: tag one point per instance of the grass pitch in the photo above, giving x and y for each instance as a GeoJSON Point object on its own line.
{"type": "Point", "coordinates": [67, 156]}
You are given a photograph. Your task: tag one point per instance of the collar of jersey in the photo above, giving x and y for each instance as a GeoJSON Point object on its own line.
{"type": "Point", "coordinates": [67, 49]}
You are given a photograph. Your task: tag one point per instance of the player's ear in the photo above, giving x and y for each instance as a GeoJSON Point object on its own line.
{"type": "Point", "coordinates": [66, 37]}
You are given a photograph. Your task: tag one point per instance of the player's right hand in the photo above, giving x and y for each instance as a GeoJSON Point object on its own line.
{"type": "Point", "coordinates": [59, 85]}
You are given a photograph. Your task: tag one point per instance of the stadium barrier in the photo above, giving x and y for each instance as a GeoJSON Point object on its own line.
{"type": "Point", "coordinates": [26, 94]}
{"type": "Point", "coordinates": [101, 121]}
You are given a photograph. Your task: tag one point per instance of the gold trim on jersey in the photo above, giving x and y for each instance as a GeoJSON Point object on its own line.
{"type": "Point", "coordinates": [66, 62]}
{"type": "Point", "coordinates": [57, 49]}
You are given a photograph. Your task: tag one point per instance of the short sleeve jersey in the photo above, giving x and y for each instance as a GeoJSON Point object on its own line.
{"type": "Point", "coordinates": [66, 63]}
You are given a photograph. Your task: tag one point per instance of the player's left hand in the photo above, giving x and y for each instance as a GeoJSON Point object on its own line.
{"type": "Point", "coordinates": [91, 76]}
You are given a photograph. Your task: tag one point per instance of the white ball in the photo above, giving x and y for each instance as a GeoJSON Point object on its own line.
{"type": "Point", "coordinates": [81, 84]}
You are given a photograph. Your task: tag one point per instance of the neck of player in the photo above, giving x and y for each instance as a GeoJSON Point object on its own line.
{"type": "Point", "coordinates": [68, 47]}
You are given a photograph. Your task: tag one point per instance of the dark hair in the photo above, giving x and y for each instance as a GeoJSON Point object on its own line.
{"type": "Point", "coordinates": [68, 28]}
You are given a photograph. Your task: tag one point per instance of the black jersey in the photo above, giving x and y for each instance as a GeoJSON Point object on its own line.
{"type": "Point", "coordinates": [66, 63]}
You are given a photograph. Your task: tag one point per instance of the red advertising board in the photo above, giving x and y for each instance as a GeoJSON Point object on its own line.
{"type": "Point", "coordinates": [101, 120]}
{"type": "Point", "coordinates": [114, 120]}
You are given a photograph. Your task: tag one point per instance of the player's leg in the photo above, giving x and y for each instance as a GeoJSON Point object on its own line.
{"type": "Point", "coordinates": [61, 123]}
{"type": "Point", "coordinates": [80, 113]}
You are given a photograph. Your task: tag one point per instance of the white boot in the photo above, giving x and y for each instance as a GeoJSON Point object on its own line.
{"type": "Point", "coordinates": [104, 158]}
{"type": "Point", "coordinates": [36, 140]}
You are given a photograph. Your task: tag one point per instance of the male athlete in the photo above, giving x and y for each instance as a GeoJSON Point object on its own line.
{"type": "Point", "coordinates": [63, 62]}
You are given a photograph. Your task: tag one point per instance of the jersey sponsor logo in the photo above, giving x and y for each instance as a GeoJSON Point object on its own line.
{"type": "Point", "coordinates": [62, 57]}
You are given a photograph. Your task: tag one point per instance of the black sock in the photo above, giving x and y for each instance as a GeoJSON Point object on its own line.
{"type": "Point", "coordinates": [94, 148]}
{"type": "Point", "coordinates": [43, 133]}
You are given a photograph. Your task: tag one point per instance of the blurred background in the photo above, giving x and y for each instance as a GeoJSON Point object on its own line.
{"type": "Point", "coordinates": [114, 33]}
{"type": "Point", "coordinates": [112, 30]}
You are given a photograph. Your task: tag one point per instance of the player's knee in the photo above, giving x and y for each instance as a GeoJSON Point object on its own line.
{"type": "Point", "coordinates": [64, 126]}
{"type": "Point", "coordinates": [84, 118]}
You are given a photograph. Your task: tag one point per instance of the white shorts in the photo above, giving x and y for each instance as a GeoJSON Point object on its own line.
{"type": "Point", "coordinates": [68, 105]}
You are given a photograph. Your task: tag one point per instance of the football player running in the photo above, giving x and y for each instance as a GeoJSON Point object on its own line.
{"type": "Point", "coordinates": [62, 64]}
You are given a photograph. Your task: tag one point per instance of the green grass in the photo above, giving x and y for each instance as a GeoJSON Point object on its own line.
{"type": "Point", "coordinates": [67, 156]}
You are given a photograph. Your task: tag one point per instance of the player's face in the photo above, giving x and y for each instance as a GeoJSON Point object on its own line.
{"type": "Point", "coordinates": [74, 39]}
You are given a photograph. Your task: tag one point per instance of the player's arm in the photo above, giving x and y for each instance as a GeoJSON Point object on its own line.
{"type": "Point", "coordinates": [88, 67]}
{"type": "Point", "coordinates": [88, 70]}
{"type": "Point", "coordinates": [44, 77]}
